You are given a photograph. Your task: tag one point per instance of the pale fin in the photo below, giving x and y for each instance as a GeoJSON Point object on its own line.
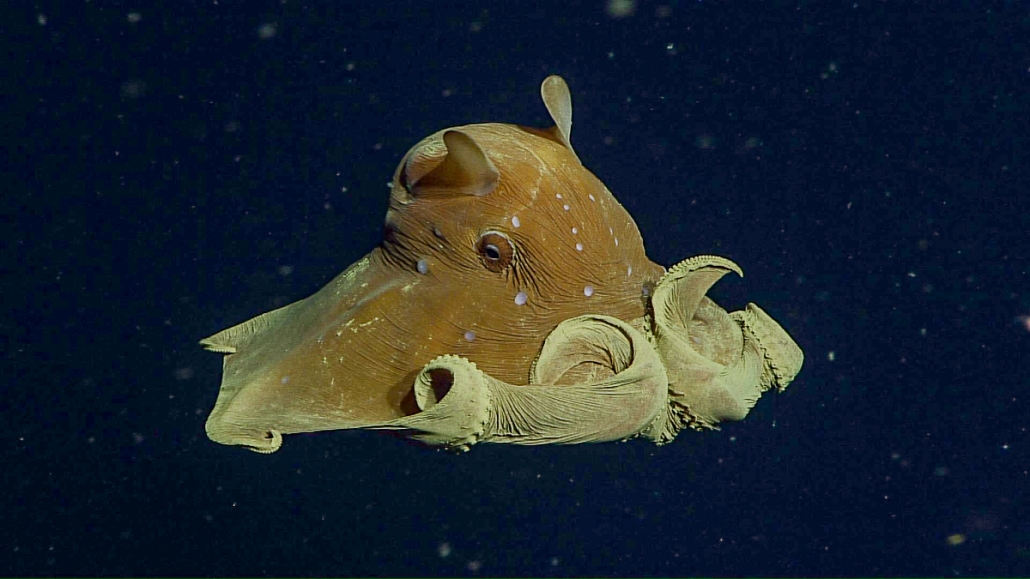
{"type": "Point", "coordinates": [466, 170]}
{"type": "Point", "coordinates": [558, 101]}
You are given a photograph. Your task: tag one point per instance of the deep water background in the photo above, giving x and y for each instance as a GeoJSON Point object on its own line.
{"type": "Point", "coordinates": [172, 169]}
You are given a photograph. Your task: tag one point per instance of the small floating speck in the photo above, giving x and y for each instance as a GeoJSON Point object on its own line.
{"type": "Point", "coordinates": [591, 195]}
{"type": "Point", "coordinates": [575, 230]}
{"type": "Point", "coordinates": [616, 242]}
{"type": "Point", "coordinates": [422, 266]}
{"type": "Point", "coordinates": [629, 271]}
{"type": "Point", "coordinates": [558, 195]}
{"type": "Point", "coordinates": [515, 221]}
{"type": "Point", "coordinates": [579, 247]}
{"type": "Point", "coordinates": [520, 298]}
{"type": "Point", "coordinates": [588, 290]}
{"type": "Point", "coordinates": [470, 335]}
{"type": "Point", "coordinates": [267, 30]}
{"type": "Point", "coordinates": [566, 207]}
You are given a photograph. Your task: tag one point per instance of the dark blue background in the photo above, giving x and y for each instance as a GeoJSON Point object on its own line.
{"type": "Point", "coordinates": [864, 162]}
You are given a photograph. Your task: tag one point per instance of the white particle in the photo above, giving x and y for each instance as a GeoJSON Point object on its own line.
{"type": "Point", "coordinates": [515, 221]}
{"type": "Point", "coordinates": [611, 231]}
{"type": "Point", "coordinates": [470, 335]}
{"type": "Point", "coordinates": [520, 298]}
{"type": "Point", "coordinates": [592, 197]}
{"type": "Point", "coordinates": [579, 247]}
{"type": "Point", "coordinates": [558, 195]}
{"type": "Point", "coordinates": [629, 271]}
{"type": "Point", "coordinates": [588, 290]}
{"type": "Point", "coordinates": [616, 242]}
{"type": "Point", "coordinates": [566, 207]}
{"type": "Point", "coordinates": [267, 30]}
{"type": "Point", "coordinates": [422, 266]}
{"type": "Point", "coordinates": [575, 230]}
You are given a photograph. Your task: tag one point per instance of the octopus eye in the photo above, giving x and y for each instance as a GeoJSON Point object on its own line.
{"type": "Point", "coordinates": [494, 250]}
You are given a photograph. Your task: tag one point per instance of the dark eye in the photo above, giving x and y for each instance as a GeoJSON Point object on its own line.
{"type": "Point", "coordinates": [495, 250]}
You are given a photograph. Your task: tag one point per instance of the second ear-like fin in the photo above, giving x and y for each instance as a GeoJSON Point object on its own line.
{"type": "Point", "coordinates": [558, 101]}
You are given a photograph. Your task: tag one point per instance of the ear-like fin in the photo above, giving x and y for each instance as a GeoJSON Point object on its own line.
{"type": "Point", "coordinates": [558, 101]}
{"type": "Point", "coordinates": [465, 170]}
